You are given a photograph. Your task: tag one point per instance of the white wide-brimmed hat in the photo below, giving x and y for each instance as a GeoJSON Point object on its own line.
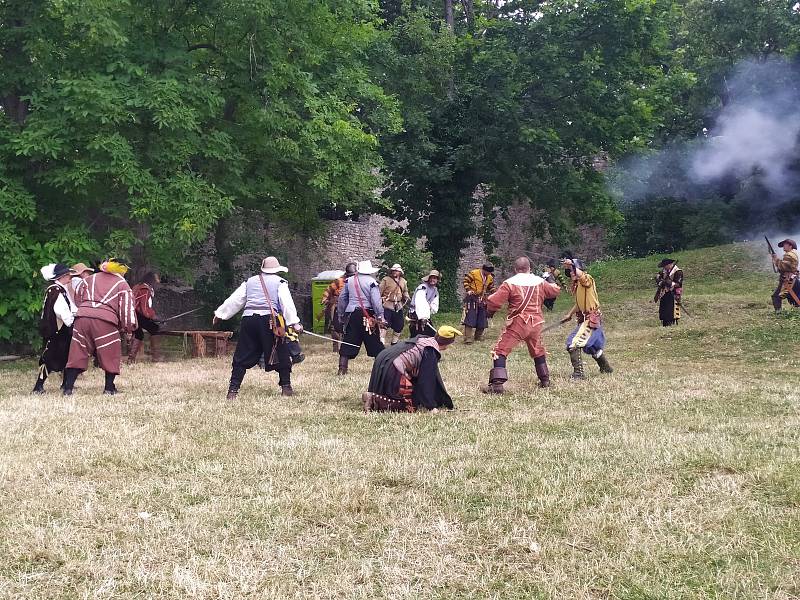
{"type": "Point", "coordinates": [271, 265]}
{"type": "Point", "coordinates": [433, 273]}
{"type": "Point", "coordinates": [396, 267]}
{"type": "Point", "coordinates": [365, 268]}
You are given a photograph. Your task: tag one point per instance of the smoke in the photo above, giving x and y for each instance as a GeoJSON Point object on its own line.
{"type": "Point", "coordinates": [752, 142]}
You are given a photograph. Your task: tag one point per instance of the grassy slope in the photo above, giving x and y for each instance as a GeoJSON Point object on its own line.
{"type": "Point", "coordinates": [676, 477]}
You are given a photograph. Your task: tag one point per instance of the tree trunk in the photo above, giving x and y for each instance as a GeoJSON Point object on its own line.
{"type": "Point", "coordinates": [448, 14]}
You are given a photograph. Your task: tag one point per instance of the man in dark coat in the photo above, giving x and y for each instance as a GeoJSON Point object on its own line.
{"type": "Point", "coordinates": [55, 323]}
{"type": "Point", "coordinates": [669, 292]}
{"type": "Point", "coordinates": [405, 376]}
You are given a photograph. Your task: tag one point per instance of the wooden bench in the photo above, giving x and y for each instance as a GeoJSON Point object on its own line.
{"type": "Point", "coordinates": [198, 339]}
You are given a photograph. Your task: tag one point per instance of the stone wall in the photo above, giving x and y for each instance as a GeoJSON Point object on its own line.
{"type": "Point", "coordinates": [339, 242]}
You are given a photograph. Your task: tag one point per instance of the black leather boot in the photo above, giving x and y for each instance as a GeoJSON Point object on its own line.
{"type": "Point", "coordinates": [602, 362]}
{"type": "Point", "coordinates": [577, 363]}
{"type": "Point", "coordinates": [497, 377]}
{"type": "Point", "coordinates": [542, 371]}
{"type": "Point", "coordinates": [343, 360]}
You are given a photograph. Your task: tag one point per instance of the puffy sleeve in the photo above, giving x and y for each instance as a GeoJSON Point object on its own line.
{"type": "Point", "coordinates": [287, 304]}
{"type": "Point", "coordinates": [585, 279]}
{"type": "Point", "coordinates": [490, 284]}
{"type": "Point", "coordinates": [375, 298]}
{"type": "Point", "coordinates": [421, 306]}
{"type": "Point", "coordinates": [435, 304]}
{"type": "Point", "coordinates": [234, 303]}
{"type": "Point", "coordinates": [496, 301]}
{"type": "Point", "coordinates": [63, 310]}
{"type": "Point", "coordinates": [127, 310]}
{"type": "Point", "coordinates": [551, 290]}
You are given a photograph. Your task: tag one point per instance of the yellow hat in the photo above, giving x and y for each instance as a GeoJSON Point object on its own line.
{"type": "Point", "coordinates": [113, 265]}
{"type": "Point", "coordinates": [447, 332]}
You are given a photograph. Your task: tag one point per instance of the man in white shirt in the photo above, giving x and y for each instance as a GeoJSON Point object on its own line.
{"type": "Point", "coordinates": [424, 304]}
{"type": "Point", "coordinates": [268, 311]}
{"type": "Point", "coordinates": [55, 323]}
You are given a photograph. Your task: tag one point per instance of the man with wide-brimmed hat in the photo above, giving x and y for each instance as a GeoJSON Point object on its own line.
{"type": "Point", "coordinates": [478, 285]}
{"type": "Point", "coordinates": [588, 337]}
{"type": "Point", "coordinates": [80, 272]}
{"type": "Point", "coordinates": [405, 377]}
{"type": "Point", "coordinates": [330, 299]}
{"type": "Point", "coordinates": [55, 322]}
{"type": "Point", "coordinates": [269, 312]}
{"type": "Point", "coordinates": [394, 295]}
{"type": "Point", "coordinates": [788, 281]}
{"type": "Point", "coordinates": [424, 304]}
{"type": "Point", "coordinates": [361, 311]}
{"type": "Point", "coordinates": [669, 291]}
{"type": "Point", "coordinates": [524, 293]}
{"type": "Point", "coordinates": [105, 307]}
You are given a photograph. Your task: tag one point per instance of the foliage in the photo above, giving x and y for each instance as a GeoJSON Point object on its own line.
{"type": "Point", "coordinates": [405, 250]}
{"type": "Point", "coordinates": [137, 125]}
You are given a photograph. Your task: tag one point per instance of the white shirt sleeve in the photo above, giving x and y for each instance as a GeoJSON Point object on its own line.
{"type": "Point", "coordinates": [421, 306]}
{"type": "Point", "coordinates": [233, 304]}
{"type": "Point", "coordinates": [287, 305]}
{"type": "Point", "coordinates": [63, 311]}
{"type": "Point", "coordinates": [435, 305]}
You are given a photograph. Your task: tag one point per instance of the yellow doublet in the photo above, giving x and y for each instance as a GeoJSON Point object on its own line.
{"type": "Point", "coordinates": [585, 293]}
{"type": "Point", "coordinates": [473, 282]}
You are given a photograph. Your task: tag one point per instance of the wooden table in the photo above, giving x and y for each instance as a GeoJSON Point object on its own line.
{"type": "Point", "coordinates": [198, 339]}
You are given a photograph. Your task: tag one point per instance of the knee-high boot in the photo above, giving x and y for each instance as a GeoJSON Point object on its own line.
{"type": "Point", "coordinates": [602, 362]}
{"type": "Point", "coordinates": [542, 371]}
{"type": "Point", "coordinates": [343, 360]}
{"type": "Point", "coordinates": [577, 363]}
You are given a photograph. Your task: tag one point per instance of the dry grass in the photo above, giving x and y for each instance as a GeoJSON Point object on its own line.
{"type": "Point", "coordinates": [676, 477]}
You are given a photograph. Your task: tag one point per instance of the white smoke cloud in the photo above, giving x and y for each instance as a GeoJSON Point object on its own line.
{"type": "Point", "coordinates": [755, 135]}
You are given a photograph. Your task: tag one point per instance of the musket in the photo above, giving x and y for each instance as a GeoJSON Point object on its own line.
{"type": "Point", "coordinates": [772, 252]}
{"type": "Point", "coordinates": [330, 339]}
{"type": "Point", "coordinates": [188, 312]}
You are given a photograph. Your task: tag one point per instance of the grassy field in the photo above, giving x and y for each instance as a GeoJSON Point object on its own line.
{"type": "Point", "coordinates": [676, 477]}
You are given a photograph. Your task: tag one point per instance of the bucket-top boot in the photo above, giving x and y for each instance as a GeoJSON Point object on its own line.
{"type": "Point", "coordinates": [602, 362]}
{"type": "Point", "coordinates": [542, 371]}
{"type": "Point", "coordinates": [577, 363]}
{"type": "Point", "coordinates": [497, 377]}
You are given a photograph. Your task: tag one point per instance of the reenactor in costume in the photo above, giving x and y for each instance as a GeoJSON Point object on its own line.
{"type": "Point", "coordinates": [524, 293]}
{"type": "Point", "coordinates": [478, 285]}
{"type": "Point", "coordinates": [588, 336]}
{"type": "Point", "coordinates": [551, 274]}
{"type": "Point", "coordinates": [269, 312]}
{"type": "Point", "coordinates": [55, 322]}
{"type": "Point", "coordinates": [330, 298]}
{"type": "Point", "coordinates": [105, 307]}
{"type": "Point", "coordinates": [788, 281]}
{"type": "Point", "coordinates": [394, 295]}
{"type": "Point", "coordinates": [143, 294]}
{"type": "Point", "coordinates": [80, 272]}
{"type": "Point", "coordinates": [424, 304]}
{"type": "Point", "coordinates": [405, 377]}
{"type": "Point", "coordinates": [361, 311]}
{"type": "Point", "coordinates": [669, 291]}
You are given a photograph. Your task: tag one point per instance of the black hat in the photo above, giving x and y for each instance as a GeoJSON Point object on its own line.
{"type": "Point", "coordinates": [488, 267]}
{"type": "Point", "coordinates": [552, 263]}
{"type": "Point", "coordinates": [61, 269]}
{"type": "Point", "coordinates": [665, 262]}
{"type": "Point", "coordinates": [788, 241]}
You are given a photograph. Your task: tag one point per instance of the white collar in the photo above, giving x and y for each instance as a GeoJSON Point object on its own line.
{"type": "Point", "coordinates": [525, 279]}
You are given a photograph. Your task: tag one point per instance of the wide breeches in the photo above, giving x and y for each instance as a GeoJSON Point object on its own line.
{"type": "Point", "coordinates": [518, 332]}
{"type": "Point", "coordinates": [95, 337]}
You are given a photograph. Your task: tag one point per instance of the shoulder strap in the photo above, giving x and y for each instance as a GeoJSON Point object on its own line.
{"type": "Point", "coordinates": [266, 294]}
{"type": "Point", "coordinates": [357, 285]}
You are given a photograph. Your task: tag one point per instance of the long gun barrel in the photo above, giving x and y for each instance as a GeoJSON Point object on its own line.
{"type": "Point", "coordinates": [772, 252]}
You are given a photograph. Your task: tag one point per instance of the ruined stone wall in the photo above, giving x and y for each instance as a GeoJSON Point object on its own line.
{"type": "Point", "coordinates": [341, 241]}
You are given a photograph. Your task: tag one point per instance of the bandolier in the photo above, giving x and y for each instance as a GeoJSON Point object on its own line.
{"type": "Point", "coordinates": [361, 311]}
{"type": "Point", "coordinates": [424, 304]}
{"type": "Point", "coordinates": [788, 281]}
{"type": "Point", "coordinates": [394, 295]}
{"type": "Point", "coordinates": [524, 293]}
{"type": "Point", "coordinates": [268, 313]}
{"type": "Point", "coordinates": [55, 323]}
{"type": "Point", "coordinates": [588, 336]}
{"type": "Point", "coordinates": [478, 285]}
{"type": "Point", "coordinates": [105, 307]}
{"type": "Point", "coordinates": [669, 292]}
{"type": "Point", "coordinates": [405, 377]}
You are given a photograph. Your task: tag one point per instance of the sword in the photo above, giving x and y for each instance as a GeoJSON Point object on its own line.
{"type": "Point", "coordinates": [330, 339]}
{"type": "Point", "coordinates": [188, 312]}
{"type": "Point", "coordinates": [558, 323]}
